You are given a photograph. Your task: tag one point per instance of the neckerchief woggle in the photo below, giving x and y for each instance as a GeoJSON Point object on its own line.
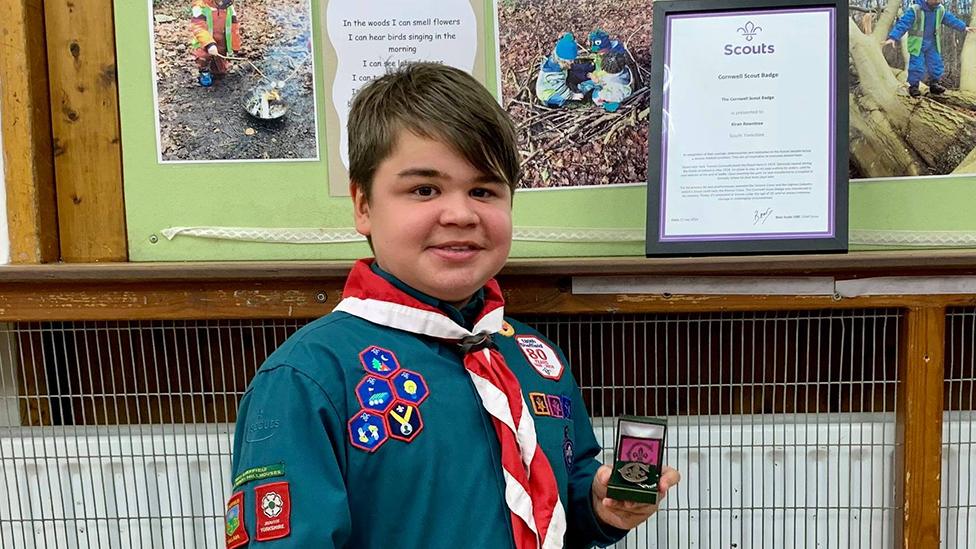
{"type": "Point", "coordinates": [531, 492]}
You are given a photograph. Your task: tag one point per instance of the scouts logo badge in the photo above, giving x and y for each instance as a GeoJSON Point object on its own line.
{"type": "Point", "coordinates": [273, 511]}
{"type": "Point", "coordinates": [410, 386]}
{"type": "Point", "coordinates": [404, 420]}
{"type": "Point", "coordinates": [507, 329]}
{"type": "Point", "coordinates": [236, 533]}
{"type": "Point", "coordinates": [367, 431]}
{"type": "Point", "coordinates": [568, 450]}
{"type": "Point", "coordinates": [555, 405]}
{"type": "Point", "coordinates": [375, 393]}
{"type": "Point", "coordinates": [540, 405]}
{"type": "Point", "coordinates": [379, 361]}
{"type": "Point", "coordinates": [541, 356]}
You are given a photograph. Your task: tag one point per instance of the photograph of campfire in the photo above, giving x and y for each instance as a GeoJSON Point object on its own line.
{"type": "Point", "coordinates": [574, 77]}
{"type": "Point", "coordinates": [233, 80]}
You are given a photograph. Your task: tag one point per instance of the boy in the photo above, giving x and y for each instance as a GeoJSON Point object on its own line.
{"type": "Point", "coordinates": [400, 419]}
{"type": "Point", "coordinates": [923, 23]}
{"type": "Point", "coordinates": [216, 33]}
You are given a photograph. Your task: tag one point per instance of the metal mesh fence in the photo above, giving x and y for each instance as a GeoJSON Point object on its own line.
{"type": "Point", "coordinates": [781, 423]}
{"type": "Point", "coordinates": [959, 431]}
{"type": "Point", "coordinates": [118, 434]}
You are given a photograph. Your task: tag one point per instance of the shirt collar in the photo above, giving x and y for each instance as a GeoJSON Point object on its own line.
{"type": "Point", "coordinates": [465, 316]}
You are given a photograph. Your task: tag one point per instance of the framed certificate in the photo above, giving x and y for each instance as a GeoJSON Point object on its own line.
{"type": "Point", "coordinates": [749, 133]}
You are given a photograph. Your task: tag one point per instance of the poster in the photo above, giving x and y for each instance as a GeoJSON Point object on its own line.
{"type": "Point", "coordinates": [913, 111]}
{"type": "Point", "coordinates": [588, 126]}
{"type": "Point", "coordinates": [251, 98]}
{"type": "Point", "coordinates": [368, 38]}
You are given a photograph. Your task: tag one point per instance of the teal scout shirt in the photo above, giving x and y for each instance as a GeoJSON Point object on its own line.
{"type": "Point", "coordinates": [428, 477]}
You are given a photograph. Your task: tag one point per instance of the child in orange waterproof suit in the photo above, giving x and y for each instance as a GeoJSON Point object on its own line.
{"type": "Point", "coordinates": [216, 33]}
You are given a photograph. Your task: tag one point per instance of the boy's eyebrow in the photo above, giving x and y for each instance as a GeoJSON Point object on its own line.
{"type": "Point", "coordinates": [435, 174]}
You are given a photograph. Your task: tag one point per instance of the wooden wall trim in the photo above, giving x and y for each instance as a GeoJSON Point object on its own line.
{"type": "Point", "coordinates": [918, 454]}
{"type": "Point", "coordinates": [85, 124]}
{"type": "Point", "coordinates": [852, 265]}
{"type": "Point", "coordinates": [26, 119]}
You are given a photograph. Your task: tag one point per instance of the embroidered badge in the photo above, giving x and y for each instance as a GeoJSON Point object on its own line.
{"type": "Point", "coordinates": [568, 450]}
{"type": "Point", "coordinates": [410, 386]}
{"type": "Point", "coordinates": [507, 329]}
{"type": "Point", "coordinates": [540, 405]}
{"type": "Point", "coordinates": [367, 431]}
{"type": "Point", "coordinates": [541, 356]}
{"type": "Point", "coordinates": [404, 420]}
{"type": "Point", "coordinates": [379, 361]}
{"type": "Point", "coordinates": [567, 407]}
{"type": "Point", "coordinates": [236, 533]}
{"type": "Point", "coordinates": [259, 473]}
{"type": "Point", "coordinates": [555, 405]}
{"type": "Point", "coordinates": [375, 393]}
{"type": "Point", "coordinates": [273, 511]}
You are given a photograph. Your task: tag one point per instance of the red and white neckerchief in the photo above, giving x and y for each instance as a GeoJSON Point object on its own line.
{"type": "Point", "coordinates": [538, 517]}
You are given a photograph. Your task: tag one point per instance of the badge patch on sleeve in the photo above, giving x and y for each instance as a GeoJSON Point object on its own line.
{"type": "Point", "coordinates": [367, 431]}
{"type": "Point", "coordinates": [379, 361]}
{"type": "Point", "coordinates": [555, 405]}
{"type": "Point", "coordinates": [410, 386]}
{"type": "Point", "coordinates": [236, 533]}
{"type": "Point", "coordinates": [273, 509]}
{"type": "Point", "coordinates": [405, 421]}
{"type": "Point", "coordinates": [540, 405]}
{"type": "Point", "coordinates": [541, 356]}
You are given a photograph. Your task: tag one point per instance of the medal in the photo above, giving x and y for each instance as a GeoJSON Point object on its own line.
{"type": "Point", "coordinates": [634, 471]}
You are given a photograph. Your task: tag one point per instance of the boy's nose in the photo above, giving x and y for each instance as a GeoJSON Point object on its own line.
{"type": "Point", "coordinates": [458, 210]}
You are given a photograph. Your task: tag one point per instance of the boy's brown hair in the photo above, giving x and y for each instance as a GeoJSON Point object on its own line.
{"type": "Point", "coordinates": [436, 102]}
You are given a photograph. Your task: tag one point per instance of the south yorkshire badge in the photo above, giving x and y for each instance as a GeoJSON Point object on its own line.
{"type": "Point", "coordinates": [541, 356]}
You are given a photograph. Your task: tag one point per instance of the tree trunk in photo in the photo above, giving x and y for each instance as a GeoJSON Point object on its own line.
{"type": "Point", "coordinates": [893, 134]}
{"type": "Point", "coordinates": [967, 60]}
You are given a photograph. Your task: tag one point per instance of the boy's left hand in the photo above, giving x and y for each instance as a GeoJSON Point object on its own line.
{"type": "Point", "coordinates": [627, 515]}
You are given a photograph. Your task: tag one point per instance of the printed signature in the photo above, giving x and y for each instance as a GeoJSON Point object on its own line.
{"type": "Point", "coordinates": [760, 217]}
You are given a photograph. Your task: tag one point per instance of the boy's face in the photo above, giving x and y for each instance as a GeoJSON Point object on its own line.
{"type": "Point", "coordinates": [436, 222]}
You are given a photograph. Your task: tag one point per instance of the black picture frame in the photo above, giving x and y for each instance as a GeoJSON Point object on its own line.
{"type": "Point", "coordinates": [835, 239]}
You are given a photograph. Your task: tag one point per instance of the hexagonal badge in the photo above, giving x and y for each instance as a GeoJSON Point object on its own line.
{"type": "Point", "coordinates": [379, 361]}
{"type": "Point", "coordinates": [410, 386]}
{"type": "Point", "coordinates": [375, 393]}
{"type": "Point", "coordinates": [404, 421]}
{"type": "Point", "coordinates": [367, 431]}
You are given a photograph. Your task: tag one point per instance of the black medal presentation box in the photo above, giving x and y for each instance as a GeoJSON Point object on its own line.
{"type": "Point", "coordinates": [637, 459]}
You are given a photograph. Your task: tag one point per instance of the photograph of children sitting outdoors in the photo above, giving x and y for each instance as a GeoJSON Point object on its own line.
{"type": "Point", "coordinates": [574, 78]}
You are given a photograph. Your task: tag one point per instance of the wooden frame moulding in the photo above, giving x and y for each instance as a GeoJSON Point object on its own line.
{"type": "Point", "coordinates": [85, 124]}
{"type": "Point", "coordinates": [26, 127]}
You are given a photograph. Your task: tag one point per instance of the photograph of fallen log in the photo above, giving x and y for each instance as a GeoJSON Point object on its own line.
{"type": "Point", "coordinates": [897, 129]}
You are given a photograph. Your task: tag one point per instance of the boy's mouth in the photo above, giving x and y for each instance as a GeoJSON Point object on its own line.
{"type": "Point", "coordinates": [456, 250]}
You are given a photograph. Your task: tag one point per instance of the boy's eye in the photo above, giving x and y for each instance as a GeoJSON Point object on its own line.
{"type": "Point", "coordinates": [424, 191]}
{"type": "Point", "coordinates": [482, 192]}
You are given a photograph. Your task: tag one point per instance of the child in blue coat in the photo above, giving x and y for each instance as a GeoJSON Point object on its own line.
{"type": "Point", "coordinates": [923, 23]}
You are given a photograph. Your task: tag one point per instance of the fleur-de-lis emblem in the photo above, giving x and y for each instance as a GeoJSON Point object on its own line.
{"type": "Point", "coordinates": [749, 30]}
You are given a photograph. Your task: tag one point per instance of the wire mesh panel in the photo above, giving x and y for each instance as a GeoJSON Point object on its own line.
{"type": "Point", "coordinates": [118, 434]}
{"type": "Point", "coordinates": [959, 432]}
{"type": "Point", "coordinates": [782, 424]}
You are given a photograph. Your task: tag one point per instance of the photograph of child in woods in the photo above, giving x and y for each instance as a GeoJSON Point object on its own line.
{"type": "Point", "coordinates": [574, 78]}
{"type": "Point", "coordinates": [233, 80]}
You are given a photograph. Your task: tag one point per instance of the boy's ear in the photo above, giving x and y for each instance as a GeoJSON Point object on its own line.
{"type": "Point", "coordinates": [360, 209]}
